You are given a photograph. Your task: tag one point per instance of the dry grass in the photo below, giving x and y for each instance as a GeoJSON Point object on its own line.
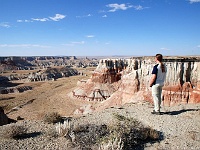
{"type": "Point", "coordinates": [127, 133]}
{"type": "Point", "coordinates": [123, 133]}
{"type": "Point", "coordinates": [52, 117]}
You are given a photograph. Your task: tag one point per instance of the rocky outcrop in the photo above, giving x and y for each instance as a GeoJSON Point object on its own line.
{"type": "Point", "coordinates": [7, 87]}
{"type": "Point", "coordinates": [15, 89]}
{"type": "Point", "coordinates": [3, 117]}
{"type": "Point", "coordinates": [129, 79]}
{"type": "Point", "coordinates": [93, 91]}
{"type": "Point", "coordinates": [42, 75]}
{"type": "Point", "coordinates": [182, 81]}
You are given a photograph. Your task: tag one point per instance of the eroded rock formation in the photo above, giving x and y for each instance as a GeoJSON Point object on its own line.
{"type": "Point", "coordinates": [119, 81]}
{"type": "Point", "coordinates": [3, 117]}
{"type": "Point", "coordinates": [15, 89]}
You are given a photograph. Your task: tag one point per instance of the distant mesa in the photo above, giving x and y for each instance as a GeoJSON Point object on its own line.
{"type": "Point", "coordinates": [39, 68]}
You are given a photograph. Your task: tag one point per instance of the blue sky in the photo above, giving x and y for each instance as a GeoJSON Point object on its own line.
{"type": "Point", "coordinates": [99, 27]}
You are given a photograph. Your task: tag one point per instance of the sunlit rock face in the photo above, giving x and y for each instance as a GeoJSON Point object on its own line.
{"type": "Point", "coordinates": [120, 81]}
{"type": "Point", "coordinates": [182, 80]}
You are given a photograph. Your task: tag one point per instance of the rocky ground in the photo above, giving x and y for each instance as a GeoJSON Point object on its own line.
{"type": "Point", "coordinates": [179, 125]}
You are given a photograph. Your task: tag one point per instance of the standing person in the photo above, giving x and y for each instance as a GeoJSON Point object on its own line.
{"type": "Point", "coordinates": [157, 82]}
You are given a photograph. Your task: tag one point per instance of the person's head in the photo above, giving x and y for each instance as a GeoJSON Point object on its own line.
{"type": "Point", "coordinates": [159, 57]}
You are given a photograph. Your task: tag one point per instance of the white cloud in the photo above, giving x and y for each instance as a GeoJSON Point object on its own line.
{"type": "Point", "coordinates": [40, 19]}
{"type": "Point", "coordinates": [194, 1]}
{"type": "Point", "coordinates": [5, 25]}
{"type": "Point", "coordinates": [57, 17]}
{"type": "Point", "coordinates": [68, 44]}
{"type": "Point", "coordinates": [89, 36]}
{"type": "Point", "coordinates": [81, 42]}
{"type": "Point", "coordinates": [19, 20]}
{"type": "Point", "coordinates": [115, 7]}
{"type": "Point", "coordinates": [139, 7]}
{"type": "Point", "coordinates": [198, 46]}
{"type": "Point", "coordinates": [25, 20]}
{"type": "Point", "coordinates": [28, 21]}
{"type": "Point", "coordinates": [23, 45]}
{"type": "Point", "coordinates": [74, 43]}
{"type": "Point", "coordinates": [104, 16]}
{"type": "Point", "coordinates": [89, 15]}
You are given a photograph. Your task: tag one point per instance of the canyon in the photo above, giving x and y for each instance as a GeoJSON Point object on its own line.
{"type": "Point", "coordinates": [116, 82]}
{"type": "Point", "coordinates": [113, 82]}
{"type": "Point", "coordinates": [94, 94]}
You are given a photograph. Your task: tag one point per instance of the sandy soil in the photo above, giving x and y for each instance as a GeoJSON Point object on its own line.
{"type": "Point", "coordinates": [45, 97]}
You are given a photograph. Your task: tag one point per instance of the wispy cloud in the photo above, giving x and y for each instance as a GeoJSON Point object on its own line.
{"type": "Point", "coordinates": [81, 42]}
{"type": "Point", "coordinates": [24, 20]}
{"type": "Point", "coordinates": [5, 25]}
{"type": "Point", "coordinates": [40, 19]}
{"type": "Point", "coordinates": [104, 16]}
{"type": "Point", "coordinates": [198, 46]}
{"type": "Point", "coordinates": [84, 16]}
{"type": "Point", "coordinates": [194, 1]}
{"type": "Point", "coordinates": [115, 7]}
{"type": "Point", "coordinates": [74, 43]}
{"type": "Point", "coordinates": [139, 7]}
{"type": "Point", "coordinates": [24, 45]}
{"type": "Point", "coordinates": [57, 17]}
{"type": "Point", "coordinates": [89, 36]}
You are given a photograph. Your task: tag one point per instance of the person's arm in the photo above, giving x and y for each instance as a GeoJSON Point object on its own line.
{"type": "Point", "coordinates": [152, 80]}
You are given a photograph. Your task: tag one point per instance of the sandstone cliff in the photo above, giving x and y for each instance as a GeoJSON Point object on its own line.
{"type": "Point", "coordinates": [120, 81]}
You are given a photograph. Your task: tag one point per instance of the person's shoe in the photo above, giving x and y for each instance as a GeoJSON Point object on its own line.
{"type": "Point", "coordinates": [155, 112]}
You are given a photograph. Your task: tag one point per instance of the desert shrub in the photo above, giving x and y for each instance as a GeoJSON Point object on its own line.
{"type": "Point", "coordinates": [63, 128]}
{"type": "Point", "coordinates": [127, 133]}
{"type": "Point", "coordinates": [88, 135]}
{"type": "Point", "coordinates": [121, 134]}
{"type": "Point", "coordinates": [52, 117]}
{"type": "Point", "coordinates": [14, 131]}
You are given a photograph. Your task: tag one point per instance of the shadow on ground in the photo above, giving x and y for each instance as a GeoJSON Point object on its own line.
{"type": "Point", "coordinates": [178, 112]}
{"type": "Point", "coordinates": [28, 135]}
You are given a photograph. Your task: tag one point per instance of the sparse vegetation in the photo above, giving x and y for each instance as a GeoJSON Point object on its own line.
{"type": "Point", "coordinates": [88, 135]}
{"type": "Point", "coordinates": [13, 131]}
{"type": "Point", "coordinates": [52, 117]}
{"type": "Point", "coordinates": [127, 133]}
{"type": "Point", "coordinates": [51, 133]}
{"type": "Point", "coordinates": [123, 133]}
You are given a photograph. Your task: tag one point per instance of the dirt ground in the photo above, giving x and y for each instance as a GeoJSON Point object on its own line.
{"type": "Point", "coordinates": [45, 97]}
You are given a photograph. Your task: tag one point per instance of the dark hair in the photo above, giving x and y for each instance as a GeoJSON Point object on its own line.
{"type": "Point", "coordinates": [159, 57]}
